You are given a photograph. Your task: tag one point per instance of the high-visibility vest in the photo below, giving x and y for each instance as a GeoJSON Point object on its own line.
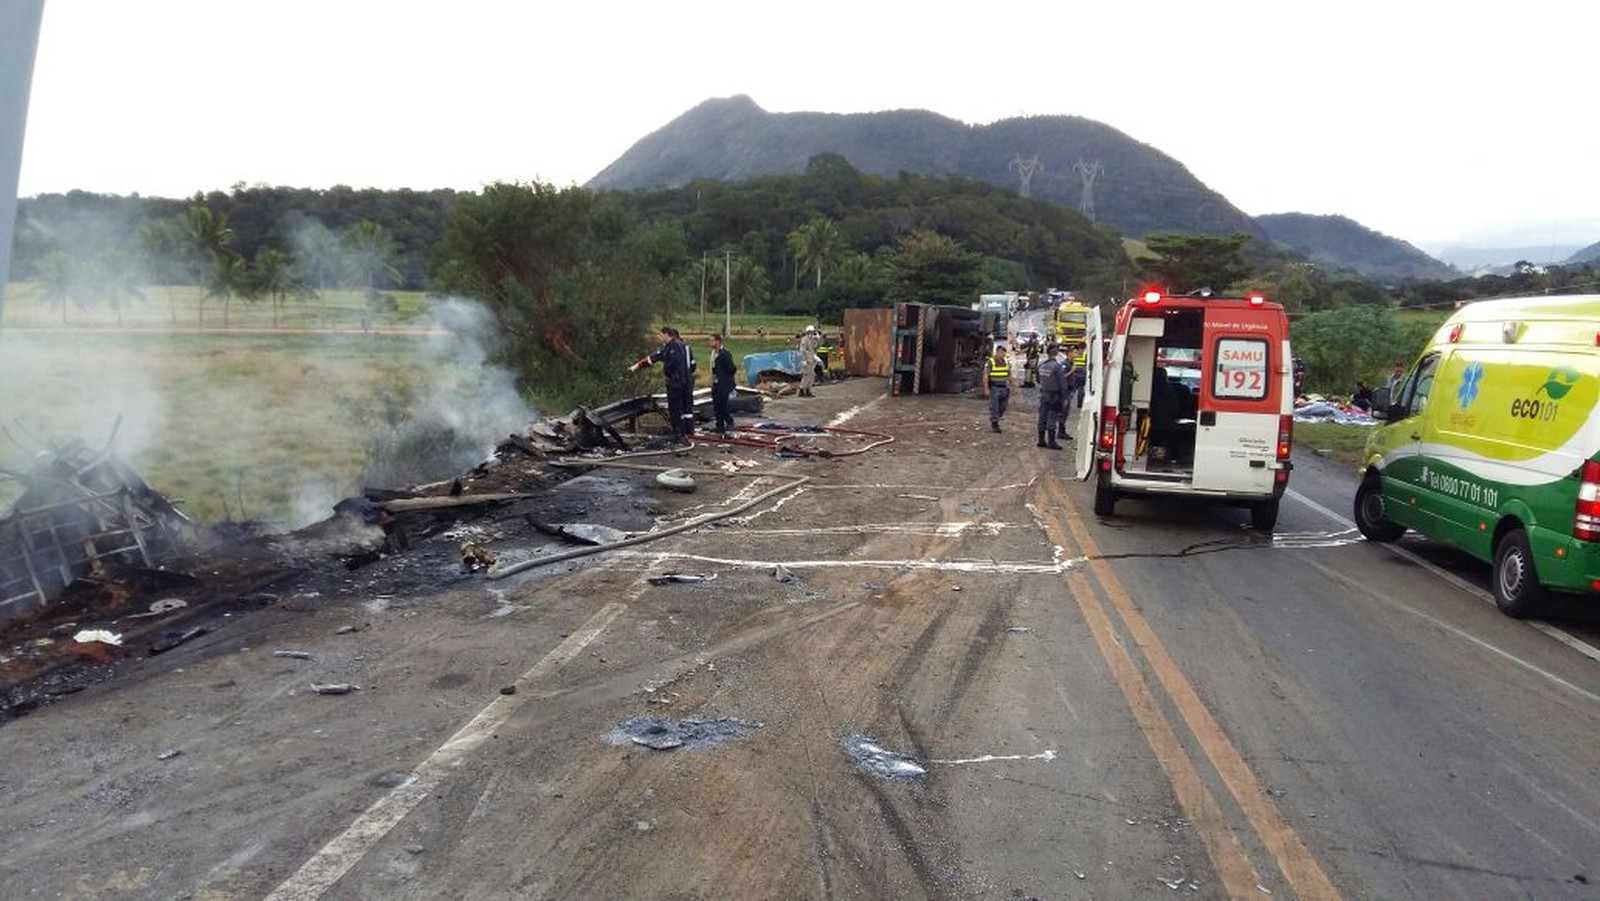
{"type": "Point", "coordinates": [999, 369]}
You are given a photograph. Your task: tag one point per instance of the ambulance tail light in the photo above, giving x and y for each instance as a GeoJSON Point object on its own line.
{"type": "Point", "coordinates": [1257, 300]}
{"type": "Point", "coordinates": [1108, 428]}
{"type": "Point", "coordinates": [1586, 519]}
{"type": "Point", "coordinates": [1285, 437]}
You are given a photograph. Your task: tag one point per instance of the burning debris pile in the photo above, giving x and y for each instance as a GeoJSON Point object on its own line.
{"type": "Point", "coordinates": [78, 514]}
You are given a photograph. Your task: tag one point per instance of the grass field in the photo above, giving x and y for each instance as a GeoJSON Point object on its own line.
{"type": "Point", "coordinates": [1340, 442]}
{"type": "Point", "coordinates": [255, 421]}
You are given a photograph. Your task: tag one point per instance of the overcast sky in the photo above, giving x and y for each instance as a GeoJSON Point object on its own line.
{"type": "Point", "coordinates": [1432, 123]}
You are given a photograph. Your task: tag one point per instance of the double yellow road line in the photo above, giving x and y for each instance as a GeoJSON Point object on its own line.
{"type": "Point", "coordinates": [1221, 834]}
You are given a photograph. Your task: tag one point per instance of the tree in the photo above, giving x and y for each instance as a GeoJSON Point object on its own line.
{"type": "Point", "coordinates": [1188, 263]}
{"type": "Point", "coordinates": [319, 253]}
{"type": "Point", "coordinates": [227, 281]}
{"type": "Point", "coordinates": [749, 283]}
{"type": "Point", "coordinates": [56, 281]}
{"type": "Point", "coordinates": [115, 279]}
{"type": "Point", "coordinates": [372, 254]}
{"type": "Point", "coordinates": [816, 245]}
{"type": "Point", "coordinates": [1354, 342]}
{"type": "Point", "coordinates": [272, 275]}
{"type": "Point", "coordinates": [209, 256]}
{"type": "Point", "coordinates": [160, 247]}
{"type": "Point", "coordinates": [928, 267]}
{"type": "Point", "coordinates": [572, 308]}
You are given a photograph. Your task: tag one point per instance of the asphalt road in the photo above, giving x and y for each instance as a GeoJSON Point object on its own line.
{"type": "Point", "coordinates": [969, 687]}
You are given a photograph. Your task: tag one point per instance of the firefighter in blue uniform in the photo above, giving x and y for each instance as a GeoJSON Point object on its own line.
{"type": "Point", "coordinates": [673, 355]}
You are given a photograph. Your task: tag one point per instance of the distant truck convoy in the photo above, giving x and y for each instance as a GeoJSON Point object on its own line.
{"type": "Point", "coordinates": [1000, 307]}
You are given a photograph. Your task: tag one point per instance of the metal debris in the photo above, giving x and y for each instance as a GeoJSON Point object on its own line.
{"type": "Point", "coordinates": [584, 532]}
{"type": "Point", "coordinates": [292, 655]}
{"type": "Point", "coordinates": [168, 755]}
{"type": "Point", "coordinates": [474, 558]}
{"type": "Point", "coordinates": [666, 735]}
{"type": "Point", "coordinates": [890, 764]}
{"type": "Point", "coordinates": [334, 688]}
{"type": "Point", "coordinates": [101, 636]}
{"type": "Point", "coordinates": [670, 578]}
{"type": "Point", "coordinates": [173, 639]}
{"type": "Point", "coordinates": [782, 574]}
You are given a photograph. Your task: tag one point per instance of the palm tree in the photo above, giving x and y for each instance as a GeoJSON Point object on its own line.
{"type": "Point", "coordinates": [207, 238]}
{"type": "Point", "coordinates": [373, 252]}
{"type": "Point", "coordinates": [320, 254]}
{"type": "Point", "coordinates": [228, 280]}
{"type": "Point", "coordinates": [816, 245]}
{"type": "Point", "coordinates": [57, 282]}
{"type": "Point", "coordinates": [272, 276]}
{"type": "Point", "coordinates": [749, 283]}
{"type": "Point", "coordinates": [160, 245]}
{"type": "Point", "coordinates": [116, 280]}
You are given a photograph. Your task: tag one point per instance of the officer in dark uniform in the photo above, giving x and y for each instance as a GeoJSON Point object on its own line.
{"type": "Point", "coordinates": [722, 373]}
{"type": "Point", "coordinates": [673, 355]}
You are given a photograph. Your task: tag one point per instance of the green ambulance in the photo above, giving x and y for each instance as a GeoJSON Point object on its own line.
{"type": "Point", "coordinates": [1491, 444]}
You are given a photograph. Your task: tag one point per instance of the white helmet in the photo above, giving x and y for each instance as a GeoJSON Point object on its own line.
{"type": "Point", "coordinates": [811, 328]}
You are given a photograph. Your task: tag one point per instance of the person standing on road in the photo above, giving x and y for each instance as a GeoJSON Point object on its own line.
{"type": "Point", "coordinates": [722, 373]}
{"type": "Point", "coordinates": [810, 340]}
{"type": "Point", "coordinates": [1077, 375]}
{"type": "Point", "coordinates": [675, 371]}
{"type": "Point", "coordinates": [997, 385]}
{"type": "Point", "coordinates": [1052, 389]}
{"type": "Point", "coordinates": [686, 386]}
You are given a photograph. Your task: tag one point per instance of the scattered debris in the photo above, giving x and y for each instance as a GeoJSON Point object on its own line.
{"type": "Point", "coordinates": [351, 630]}
{"type": "Point", "coordinates": [782, 574]}
{"type": "Point", "coordinates": [79, 514]}
{"type": "Point", "coordinates": [474, 558]}
{"type": "Point", "coordinates": [292, 655]}
{"type": "Point", "coordinates": [509, 690]}
{"type": "Point", "coordinates": [666, 735]}
{"type": "Point", "coordinates": [334, 688]}
{"type": "Point", "coordinates": [584, 532]}
{"type": "Point", "coordinates": [676, 479]}
{"type": "Point", "coordinates": [168, 755]}
{"type": "Point", "coordinates": [670, 578]}
{"type": "Point", "coordinates": [1020, 629]}
{"type": "Point", "coordinates": [890, 764]}
{"type": "Point", "coordinates": [414, 849]}
{"type": "Point", "coordinates": [167, 605]}
{"type": "Point", "coordinates": [101, 636]}
{"type": "Point", "coordinates": [173, 639]}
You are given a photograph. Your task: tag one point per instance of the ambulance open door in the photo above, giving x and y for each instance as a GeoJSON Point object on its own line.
{"type": "Point", "coordinates": [1086, 426]}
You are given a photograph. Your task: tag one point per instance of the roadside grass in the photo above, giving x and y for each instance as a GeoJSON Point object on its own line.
{"type": "Point", "coordinates": [186, 307]}
{"type": "Point", "coordinates": [1340, 442]}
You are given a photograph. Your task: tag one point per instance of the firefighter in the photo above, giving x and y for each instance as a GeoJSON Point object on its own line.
{"type": "Point", "coordinates": [673, 356]}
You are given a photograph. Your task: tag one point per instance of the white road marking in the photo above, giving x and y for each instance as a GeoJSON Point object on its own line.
{"type": "Point", "coordinates": [853, 412]}
{"type": "Point", "coordinates": [988, 758]}
{"type": "Point", "coordinates": [1566, 638]}
{"type": "Point", "coordinates": [336, 858]}
{"type": "Point", "coordinates": [938, 529]}
{"type": "Point", "coordinates": [962, 566]}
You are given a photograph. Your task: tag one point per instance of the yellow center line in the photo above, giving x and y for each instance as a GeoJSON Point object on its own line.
{"type": "Point", "coordinates": [1298, 865]}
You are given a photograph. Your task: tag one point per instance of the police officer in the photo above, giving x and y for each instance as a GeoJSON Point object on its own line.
{"type": "Point", "coordinates": [1052, 389]}
{"type": "Point", "coordinates": [722, 373]}
{"type": "Point", "coordinates": [1077, 377]}
{"type": "Point", "coordinates": [997, 385]}
{"type": "Point", "coordinates": [673, 355]}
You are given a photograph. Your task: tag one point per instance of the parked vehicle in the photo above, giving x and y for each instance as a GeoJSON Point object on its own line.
{"type": "Point", "coordinates": [1144, 433]}
{"type": "Point", "coordinates": [1492, 444]}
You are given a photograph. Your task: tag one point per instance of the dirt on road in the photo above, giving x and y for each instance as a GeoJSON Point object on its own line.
{"type": "Point", "coordinates": [873, 683]}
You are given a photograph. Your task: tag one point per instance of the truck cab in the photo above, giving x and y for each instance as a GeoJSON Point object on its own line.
{"type": "Point", "coordinates": [1195, 401]}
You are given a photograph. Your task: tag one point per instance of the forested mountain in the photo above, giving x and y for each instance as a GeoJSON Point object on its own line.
{"type": "Point", "coordinates": [1342, 242]}
{"type": "Point", "coordinates": [1135, 188]}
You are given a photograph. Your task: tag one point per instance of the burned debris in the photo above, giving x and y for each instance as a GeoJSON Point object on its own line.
{"type": "Point", "coordinates": [80, 513]}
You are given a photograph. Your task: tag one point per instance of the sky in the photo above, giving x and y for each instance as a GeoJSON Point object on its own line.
{"type": "Point", "coordinates": [1438, 124]}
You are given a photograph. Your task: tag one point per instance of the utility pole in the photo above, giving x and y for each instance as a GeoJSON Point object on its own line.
{"type": "Point", "coordinates": [727, 293]}
{"type": "Point", "coordinates": [1025, 170]}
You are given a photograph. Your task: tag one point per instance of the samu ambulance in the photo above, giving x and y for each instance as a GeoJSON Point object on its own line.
{"type": "Point", "coordinates": [1196, 402]}
{"type": "Point", "coordinates": [1491, 445]}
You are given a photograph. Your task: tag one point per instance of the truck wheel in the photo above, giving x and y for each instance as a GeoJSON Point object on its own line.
{"type": "Point", "coordinates": [1264, 515]}
{"type": "Point", "coordinates": [1369, 514]}
{"type": "Point", "coordinates": [1105, 500]}
{"type": "Point", "coordinates": [1517, 591]}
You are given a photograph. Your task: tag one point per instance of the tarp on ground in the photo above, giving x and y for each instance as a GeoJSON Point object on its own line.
{"type": "Point", "coordinates": [788, 362]}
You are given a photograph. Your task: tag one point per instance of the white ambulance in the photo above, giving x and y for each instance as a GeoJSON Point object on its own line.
{"type": "Point", "coordinates": [1195, 400]}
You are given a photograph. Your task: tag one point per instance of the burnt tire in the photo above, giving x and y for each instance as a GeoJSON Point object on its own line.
{"type": "Point", "coordinates": [1264, 515]}
{"type": "Point", "coordinates": [1105, 500]}
{"type": "Point", "coordinates": [1369, 514]}
{"type": "Point", "coordinates": [1515, 582]}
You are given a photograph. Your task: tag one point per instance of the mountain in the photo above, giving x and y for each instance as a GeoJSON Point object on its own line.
{"type": "Point", "coordinates": [1590, 254]}
{"type": "Point", "coordinates": [1345, 243]}
{"type": "Point", "coordinates": [1133, 187]}
{"type": "Point", "coordinates": [1472, 258]}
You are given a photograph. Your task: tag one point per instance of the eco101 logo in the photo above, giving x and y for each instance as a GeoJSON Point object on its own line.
{"type": "Point", "coordinates": [1556, 385]}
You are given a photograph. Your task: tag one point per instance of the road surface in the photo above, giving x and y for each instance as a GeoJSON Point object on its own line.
{"type": "Point", "coordinates": [968, 686]}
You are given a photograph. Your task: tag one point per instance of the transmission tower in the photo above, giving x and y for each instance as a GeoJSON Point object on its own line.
{"type": "Point", "coordinates": [1025, 169]}
{"type": "Point", "coordinates": [1088, 172]}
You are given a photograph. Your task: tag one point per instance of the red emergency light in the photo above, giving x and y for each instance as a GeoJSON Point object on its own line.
{"type": "Point", "coordinates": [1257, 300]}
{"type": "Point", "coordinates": [1151, 297]}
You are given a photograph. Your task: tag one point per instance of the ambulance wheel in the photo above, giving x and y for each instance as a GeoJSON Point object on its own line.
{"type": "Point", "coordinates": [1264, 515]}
{"type": "Point", "coordinates": [1517, 591]}
{"type": "Point", "coordinates": [1105, 500]}
{"type": "Point", "coordinates": [1369, 514]}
